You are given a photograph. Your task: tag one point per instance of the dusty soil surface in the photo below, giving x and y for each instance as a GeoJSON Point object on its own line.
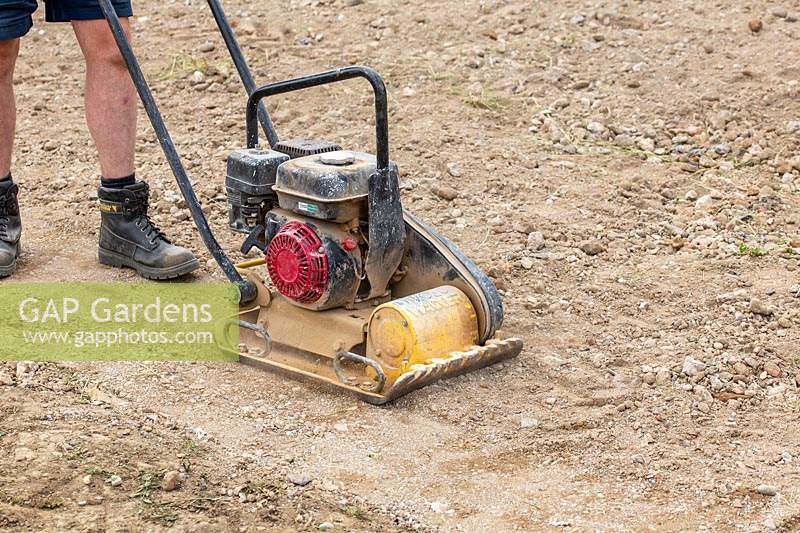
{"type": "Point", "coordinates": [626, 172]}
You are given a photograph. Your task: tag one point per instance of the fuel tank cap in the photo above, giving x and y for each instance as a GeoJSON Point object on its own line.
{"type": "Point", "coordinates": [338, 158]}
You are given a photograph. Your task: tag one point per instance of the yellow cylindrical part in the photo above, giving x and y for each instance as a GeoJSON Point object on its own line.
{"type": "Point", "coordinates": [415, 329]}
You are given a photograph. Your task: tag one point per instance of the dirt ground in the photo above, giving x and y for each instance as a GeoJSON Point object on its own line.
{"type": "Point", "coordinates": [625, 171]}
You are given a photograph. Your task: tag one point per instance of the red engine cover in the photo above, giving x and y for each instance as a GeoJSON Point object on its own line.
{"type": "Point", "coordinates": [297, 263]}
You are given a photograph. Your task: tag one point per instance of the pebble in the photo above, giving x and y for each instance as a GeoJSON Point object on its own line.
{"type": "Point", "coordinates": [526, 263]}
{"type": "Point", "coordinates": [535, 241]}
{"type": "Point", "coordinates": [172, 481]}
{"type": "Point", "coordinates": [704, 202]}
{"type": "Point", "coordinates": [114, 481]}
{"type": "Point", "coordinates": [733, 296]}
{"type": "Point", "coordinates": [301, 479]}
{"type": "Point", "coordinates": [772, 369]}
{"type": "Point", "coordinates": [703, 394]}
{"type": "Point", "coordinates": [755, 25]}
{"type": "Point", "coordinates": [779, 11]}
{"type": "Point", "coordinates": [452, 169]}
{"type": "Point", "coordinates": [767, 490]}
{"type": "Point", "coordinates": [595, 127]}
{"type": "Point", "coordinates": [593, 247]}
{"type": "Point", "coordinates": [207, 47]}
{"type": "Point", "coordinates": [198, 77]}
{"type": "Point", "coordinates": [325, 526]}
{"type": "Point", "coordinates": [663, 376]}
{"type": "Point", "coordinates": [445, 192]}
{"type": "Point", "coordinates": [529, 423]}
{"type": "Point", "coordinates": [692, 367]}
{"type": "Point", "coordinates": [26, 369]}
{"type": "Point", "coordinates": [340, 427]}
{"type": "Point", "coordinates": [757, 307]}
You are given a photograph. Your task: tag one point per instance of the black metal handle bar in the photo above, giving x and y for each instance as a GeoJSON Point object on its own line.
{"type": "Point", "coordinates": [246, 289]}
{"type": "Point", "coordinates": [324, 78]}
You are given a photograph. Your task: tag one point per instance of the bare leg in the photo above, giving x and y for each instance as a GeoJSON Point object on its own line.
{"type": "Point", "coordinates": [8, 109]}
{"type": "Point", "coordinates": [110, 98]}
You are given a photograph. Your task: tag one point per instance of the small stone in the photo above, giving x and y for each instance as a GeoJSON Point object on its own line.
{"type": "Point", "coordinates": [26, 369]}
{"type": "Point", "coordinates": [784, 322]}
{"type": "Point", "coordinates": [692, 367]}
{"type": "Point", "coordinates": [779, 11]}
{"type": "Point", "coordinates": [733, 296]}
{"type": "Point", "coordinates": [198, 77]}
{"type": "Point", "coordinates": [50, 146]}
{"type": "Point", "coordinates": [526, 263]}
{"type": "Point", "coordinates": [114, 481]}
{"type": "Point", "coordinates": [529, 423]}
{"type": "Point", "coordinates": [340, 427]}
{"type": "Point", "coordinates": [535, 241]}
{"type": "Point", "coordinates": [596, 128]}
{"type": "Point", "coordinates": [704, 202]}
{"type": "Point", "coordinates": [87, 479]}
{"type": "Point", "coordinates": [352, 3]}
{"type": "Point", "coordinates": [663, 376]}
{"type": "Point", "coordinates": [624, 140]}
{"type": "Point", "coordinates": [172, 481]}
{"type": "Point", "coordinates": [703, 394]}
{"type": "Point", "coordinates": [325, 526]}
{"type": "Point", "coordinates": [593, 247]}
{"type": "Point", "coordinates": [772, 369]}
{"type": "Point", "coordinates": [207, 47]}
{"type": "Point", "coordinates": [767, 490]}
{"type": "Point", "coordinates": [755, 25]}
{"type": "Point", "coordinates": [445, 192]}
{"type": "Point", "coordinates": [757, 307]}
{"type": "Point", "coordinates": [452, 169]}
{"type": "Point", "coordinates": [301, 479]}
{"type": "Point", "coordinates": [691, 195]}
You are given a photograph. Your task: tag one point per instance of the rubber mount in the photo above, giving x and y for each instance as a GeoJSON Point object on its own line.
{"type": "Point", "coordinates": [297, 264]}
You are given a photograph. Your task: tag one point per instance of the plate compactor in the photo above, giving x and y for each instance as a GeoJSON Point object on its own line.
{"type": "Point", "coordinates": [352, 290]}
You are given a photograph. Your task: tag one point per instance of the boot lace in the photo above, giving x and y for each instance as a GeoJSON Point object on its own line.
{"type": "Point", "coordinates": [152, 232]}
{"type": "Point", "coordinates": [149, 228]}
{"type": "Point", "coordinates": [6, 203]}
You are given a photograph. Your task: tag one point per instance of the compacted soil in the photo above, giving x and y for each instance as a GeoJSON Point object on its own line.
{"type": "Point", "coordinates": [626, 171]}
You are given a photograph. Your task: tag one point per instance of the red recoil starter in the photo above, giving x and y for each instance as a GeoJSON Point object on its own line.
{"type": "Point", "coordinates": [297, 264]}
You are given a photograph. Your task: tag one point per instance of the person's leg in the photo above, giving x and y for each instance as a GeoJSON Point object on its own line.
{"type": "Point", "coordinates": [110, 98]}
{"type": "Point", "coordinates": [8, 110]}
{"type": "Point", "coordinates": [128, 238]}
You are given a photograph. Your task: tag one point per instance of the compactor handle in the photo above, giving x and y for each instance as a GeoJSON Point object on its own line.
{"type": "Point", "coordinates": [324, 78]}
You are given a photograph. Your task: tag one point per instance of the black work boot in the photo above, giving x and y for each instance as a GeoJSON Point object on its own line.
{"type": "Point", "coordinates": [128, 238]}
{"type": "Point", "coordinates": [10, 228]}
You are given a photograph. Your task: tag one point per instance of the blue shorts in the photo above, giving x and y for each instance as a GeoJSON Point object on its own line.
{"type": "Point", "coordinates": [16, 20]}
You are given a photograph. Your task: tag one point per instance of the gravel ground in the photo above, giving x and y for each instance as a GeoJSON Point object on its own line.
{"type": "Point", "coordinates": [625, 171]}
